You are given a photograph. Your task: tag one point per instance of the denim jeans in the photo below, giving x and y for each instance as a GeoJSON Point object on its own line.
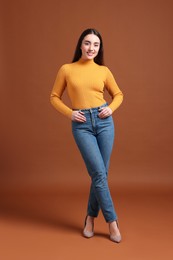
{"type": "Point", "coordinates": [94, 139]}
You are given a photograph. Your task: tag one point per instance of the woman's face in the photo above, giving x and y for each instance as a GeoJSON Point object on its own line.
{"type": "Point", "coordinates": [90, 46]}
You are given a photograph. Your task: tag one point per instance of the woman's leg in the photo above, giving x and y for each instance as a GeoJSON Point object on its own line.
{"type": "Point", "coordinates": [105, 140]}
{"type": "Point", "coordinates": [90, 150]}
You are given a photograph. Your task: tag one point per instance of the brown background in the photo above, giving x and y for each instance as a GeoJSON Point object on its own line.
{"type": "Point", "coordinates": [37, 149]}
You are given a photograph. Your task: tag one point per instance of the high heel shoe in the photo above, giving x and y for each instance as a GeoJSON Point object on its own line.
{"type": "Point", "coordinates": [86, 233]}
{"type": "Point", "coordinates": [115, 238]}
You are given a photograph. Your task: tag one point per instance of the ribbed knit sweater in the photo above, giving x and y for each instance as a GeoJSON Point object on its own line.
{"type": "Point", "coordinates": [85, 82]}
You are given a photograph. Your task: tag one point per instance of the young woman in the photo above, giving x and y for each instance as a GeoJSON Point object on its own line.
{"type": "Point", "coordinates": [86, 78]}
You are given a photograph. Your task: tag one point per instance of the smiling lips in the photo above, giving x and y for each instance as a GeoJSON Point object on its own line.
{"type": "Point", "coordinates": [90, 53]}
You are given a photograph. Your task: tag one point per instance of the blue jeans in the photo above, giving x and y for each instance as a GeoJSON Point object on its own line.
{"type": "Point", "coordinates": [94, 139]}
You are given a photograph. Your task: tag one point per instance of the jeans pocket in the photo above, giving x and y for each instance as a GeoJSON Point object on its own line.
{"type": "Point", "coordinates": [77, 125]}
{"type": "Point", "coordinates": [106, 118]}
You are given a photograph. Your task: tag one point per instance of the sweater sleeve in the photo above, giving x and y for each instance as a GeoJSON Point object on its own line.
{"type": "Point", "coordinates": [57, 92]}
{"type": "Point", "coordinates": [113, 90]}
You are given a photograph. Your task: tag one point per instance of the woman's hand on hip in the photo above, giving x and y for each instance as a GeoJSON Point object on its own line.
{"type": "Point", "coordinates": [78, 116]}
{"type": "Point", "coordinates": [105, 112]}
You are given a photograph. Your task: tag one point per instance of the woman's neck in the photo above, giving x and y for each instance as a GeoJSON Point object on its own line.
{"type": "Point", "coordinates": [85, 61]}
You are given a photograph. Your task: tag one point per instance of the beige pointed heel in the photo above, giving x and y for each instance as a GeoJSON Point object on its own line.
{"type": "Point", "coordinates": [113, 237]}
{"type": "Point", "coordinates": [86, 233]}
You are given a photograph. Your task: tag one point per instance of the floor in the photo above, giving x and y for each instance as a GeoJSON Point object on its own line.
{"type": "Point", "coordinates": [47, 225]}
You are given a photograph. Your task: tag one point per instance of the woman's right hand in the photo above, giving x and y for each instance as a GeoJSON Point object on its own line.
{"type": "Point", "coordinates": [78, 116]}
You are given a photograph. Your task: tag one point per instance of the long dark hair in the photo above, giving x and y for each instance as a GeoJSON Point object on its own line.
{"type": "Point", "coordinates": [78, 53]}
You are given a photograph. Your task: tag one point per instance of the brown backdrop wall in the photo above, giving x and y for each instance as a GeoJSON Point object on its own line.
{"type": "Point", "coordinates": [37, 148]}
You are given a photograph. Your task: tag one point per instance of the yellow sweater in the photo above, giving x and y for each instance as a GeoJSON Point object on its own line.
{"type": "Point", "coordinates": [85, 82]}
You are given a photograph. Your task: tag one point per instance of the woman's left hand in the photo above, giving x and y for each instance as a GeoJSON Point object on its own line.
{"type": "Point", "coordinates": [105, 112]}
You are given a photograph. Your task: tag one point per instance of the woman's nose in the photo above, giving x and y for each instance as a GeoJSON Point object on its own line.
{"type": "Point", "coordinates": [91, 47]}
